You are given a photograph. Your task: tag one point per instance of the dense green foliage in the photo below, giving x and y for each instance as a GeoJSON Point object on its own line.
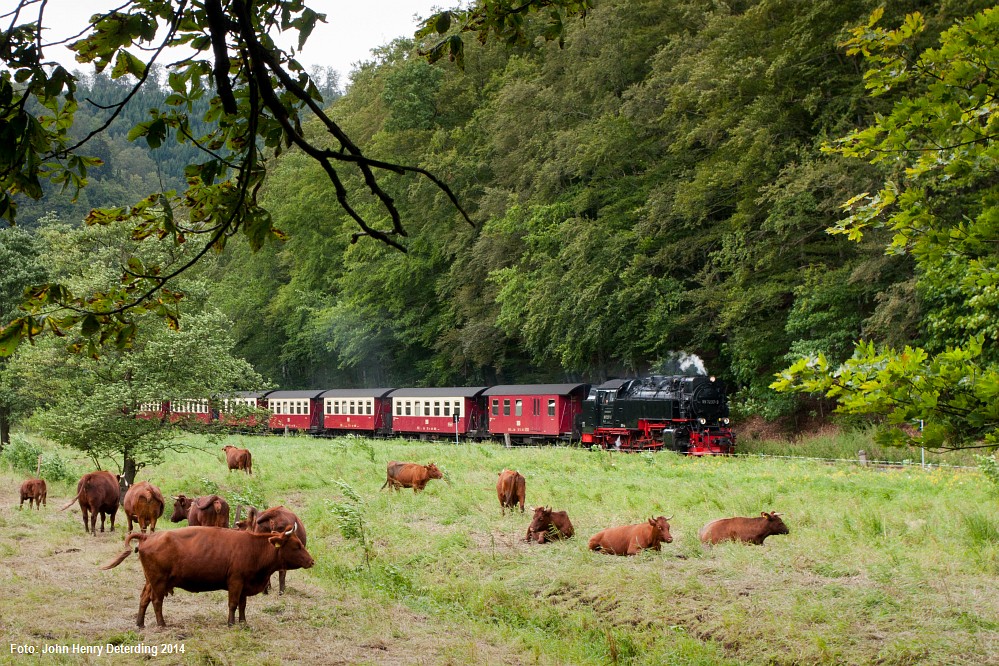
{"type": "Point", "coordinates": [658, 184]}
{"type": "Point", "coordinates": [940, 201]}
{"type": "Point", "coordinates": [894, 567]}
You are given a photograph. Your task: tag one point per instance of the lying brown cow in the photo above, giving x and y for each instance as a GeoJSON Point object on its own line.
{"type": "Point", "coordinates": [143, 504]}
{"type": "Point", "coordinates": [410, 475]}
{"type": "Point", "coordinates": [238, 459]}
{"type": "Point", "coordinates": [549, 525]}
{"type": "Point", "coordinates": [34, 490]}
{"type": "Point", "coordinates": [510, 488]}
{"type": "Point", "coordinates": [98, 492]}
{"type": "Point", "coordinates": [207, 511]}
{"type": "Point", "coordinates": [271, 520]}
{"type": "Point", "coordinates": [629, 539]}
{"type": "Point", "coordinates": [750, 530]}
{"type": "Point", "coordinates": [199, 559]}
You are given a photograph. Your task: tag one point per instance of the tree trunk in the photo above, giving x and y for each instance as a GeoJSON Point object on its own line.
{"type": "Point", "coordinates": [4, 426]}
{"type": "Point", "coordinates": [128, 472]}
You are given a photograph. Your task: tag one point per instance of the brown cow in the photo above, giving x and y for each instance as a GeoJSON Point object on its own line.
{"type": "Point", "coordinates": [629, 539]}
{"type": "Point", "coordinates": [199, 559]}
{"type": "Point", "coordinates": [269, 521]}
{"type": "Point", "coordinates": [410, 475]}
{"type": "Point", "coordinates": [750, 530]}
{"type": "Point", "coordinates": [34, 490]}
{"type": "Point", "coordinates": [207, 511]}
{"type": "Point", "coordinates": [98, 492]}
{"type": "Point", "coordinates": [510, 488]}
{"type": "Point", "coordinates": [143, 504]}
{"type": "Point", "coordinates": [549, 525]}
{"type": "Point", "coordinates": [238, 458]}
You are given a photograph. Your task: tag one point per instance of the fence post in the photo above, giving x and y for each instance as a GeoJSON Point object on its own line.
{"type": "Point", "coordinates": [863, 457]}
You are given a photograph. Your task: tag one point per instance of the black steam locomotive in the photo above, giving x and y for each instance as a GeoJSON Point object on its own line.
{"type": "Point", "coordinates": [683, 413]}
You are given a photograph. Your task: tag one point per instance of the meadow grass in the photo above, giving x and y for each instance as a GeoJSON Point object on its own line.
{"type": "Point", "coordinates": [892, 566]}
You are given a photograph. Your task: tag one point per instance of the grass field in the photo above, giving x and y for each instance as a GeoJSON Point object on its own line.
{"type": "Point", "coordinates": [893, 566]}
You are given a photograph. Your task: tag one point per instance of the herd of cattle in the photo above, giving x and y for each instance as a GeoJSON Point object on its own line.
{"type": "Point", "coordinates": [209, 555]}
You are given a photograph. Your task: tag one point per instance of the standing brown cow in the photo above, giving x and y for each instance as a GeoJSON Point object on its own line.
{"type": "Point", "coordinates": [207, 511]}
{"type": "Point", "coordinates": [143, 504]}
{"type": "Point", "coordinates": [750, 530]}
{"type": "Point", "coordinates": [238, 458]}
{"type": "Point", "coordinates": [34, 490]}
{"type": "Point", "coordinates": [98, 492]}
{"type": "Point", "coordinates": [410, 475]}
{"type": "Point", "coordinates": [199, 559]}
{"type": "Point", "coordinates": [510, 488]}
{"type": "Point", "coordinates": [271, 520]}
{"type": "Point", "coordinates": [629, 539]}
{"type": "Point", "coordinates": [549, 525]}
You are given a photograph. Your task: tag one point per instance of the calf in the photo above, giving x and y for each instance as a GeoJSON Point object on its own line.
{"type": "Point", "coordinates": [549, 525]}
{"type": "Point", "coordinates": [410, 475]}
{"type": "Point", "coordinates": [98, 492]}
{"type": "Point", "coordinates": [750, 530]}
{"type": "Point", "coordinates": [143, 504]}
{"type": "Point", "coordinates": [629, 539]}
{"type": "Point", "coordinates": [199, 559]}
{"type": "Point", "coordinates": [269, 521]}
{"type": "Point", "coordinates": [34, 490]}
{"type": "Point", "coordinates": [238, 458]}
{"type": "Point", "coordinates": [207, 511]}
{"type": "Point", "coordinates": [510, 488]}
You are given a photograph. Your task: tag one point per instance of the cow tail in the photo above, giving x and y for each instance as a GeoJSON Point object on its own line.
{"type": "Point", "coordinates": [510, 494]}
{"type": "Point", "coordinates": [125, 553]}
{"type": "Point", "coordinates": [384, 484]}
{"type": "Point", "coordinates": [72, 501]}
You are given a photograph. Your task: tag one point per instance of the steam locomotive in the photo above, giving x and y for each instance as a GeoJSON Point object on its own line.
{"type": "Point", "coordinates": [682, 413]}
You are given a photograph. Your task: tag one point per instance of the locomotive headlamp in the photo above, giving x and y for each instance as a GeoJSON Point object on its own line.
{"type": "Point", "coordinates": [711, 378]}
{"type": "Point", "coordinates": [725, 421]}
{"type": "Point", "coordinates": [702, 421]}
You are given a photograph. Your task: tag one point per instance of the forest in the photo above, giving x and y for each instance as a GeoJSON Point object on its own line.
{"type": "Point", "coordinates": [690, 177]}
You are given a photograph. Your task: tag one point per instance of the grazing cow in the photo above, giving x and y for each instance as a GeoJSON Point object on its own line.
{"type": "Point", "coordinates": [143, 504]}
{"type": "Point", "coordinates": [549, 525]}
{"type": "Point", "coordinates": [98, 492]}
{"type": "Point", "coordinates": [34, 490]}
{"type": "Point", "coordinates": [750, 530]}
{"type": "Point", "coordinates": [199, 559]}
{"type": "Point", "coordinates": [510, 489]}
{"type": "Point", "coordinates": [238, 459]}
{"type": "Point", "coordinates": [629, 539]}
{"type": "Point", "coordinates": [410, 475]}
{"type": "Point", "coordinates": [207, 511]}
{"type": "Point", "coordinates": [269, 521]}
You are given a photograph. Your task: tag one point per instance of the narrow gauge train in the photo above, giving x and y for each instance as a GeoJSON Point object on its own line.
{"type": "Point", "coordinates": [683, 413]}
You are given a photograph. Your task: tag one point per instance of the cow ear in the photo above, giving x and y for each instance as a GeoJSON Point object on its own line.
{"type": "Point", "coordinates": [278, 540]}
{"type": "Point", "coordinates": [765, 514]}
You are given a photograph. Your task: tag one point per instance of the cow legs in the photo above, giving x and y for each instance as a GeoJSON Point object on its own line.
{"type": "Point", "coordinates": [158, 607]}
{"type": "Point", "coordinates": [281, 575]}
{"type": "Point", "coordinates": [93, 522]}
{"type": "Point", "coordinates": [112, 515]}
{"type": "Point", "coordinates": [236, 600]}
{"type": "Point", "coordinates": [140, 620]}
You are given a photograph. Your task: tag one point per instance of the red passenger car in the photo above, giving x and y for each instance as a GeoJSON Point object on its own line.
{"type": "Point", "coordinates": [295, 410]}
{"type": "Point", "coordinates": [232, 410]}
{"type": "Point", "coordinates": [535, 412]}
{"type": "Point", "coordinates": [187, 409]}
{"type": "Point", "coordinates": [157, 411]}
{"type": "Point", "coordinates": [448, 411]}
{"type": "Point", "coordinates": [364, 411]}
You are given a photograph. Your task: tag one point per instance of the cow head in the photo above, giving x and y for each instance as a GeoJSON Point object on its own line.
{"type": "Point", "coordinates": [661, 525]}
{"type": "Point", "coordinates": [433, 472]}
{"type": "Point", "coordinates": [292, 552]}
{"type": "Point", "coordinates": [775, 524]}
{"type": "Point", "coordinates": [248, 522]}
{"type": "Point", "coordinates": [542, 519]}
{"type": "Point", "coordinates": [181, 507]}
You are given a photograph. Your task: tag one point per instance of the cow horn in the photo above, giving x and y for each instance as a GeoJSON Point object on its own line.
{"type": "Point", "coordinates": [671, 517]}
{"type": "Point", "coordinates": [291, 529]}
